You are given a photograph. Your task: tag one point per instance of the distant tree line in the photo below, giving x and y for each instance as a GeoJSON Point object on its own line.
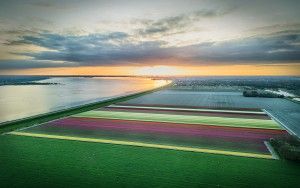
{"type": "Point", "coordinates": [256, 93]}
{"type": "Point", "coordinates": [24, 80]}
{"type": "Point", "coordinates": [287, 147]}
{"type": "Point", "coordinates": [252, 82]}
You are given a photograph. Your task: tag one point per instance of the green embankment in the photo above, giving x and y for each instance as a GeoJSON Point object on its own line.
{"type": "Point", "coordinates": [39, 162]}
{"type": "Point", "coordinates": [188, 119]}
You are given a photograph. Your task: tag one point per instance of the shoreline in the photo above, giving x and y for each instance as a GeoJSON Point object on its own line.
{"type": "Point", "coordinates": [45, 117]}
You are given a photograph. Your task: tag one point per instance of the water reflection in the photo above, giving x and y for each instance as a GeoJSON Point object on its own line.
{"type": "Point", "coordinates": [22, 101]}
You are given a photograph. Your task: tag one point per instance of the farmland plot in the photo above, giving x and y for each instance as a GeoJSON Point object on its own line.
{"type": "Point", "coordinates": [284, 111]}
{"type": "Point", "coordinates": [181, 131]}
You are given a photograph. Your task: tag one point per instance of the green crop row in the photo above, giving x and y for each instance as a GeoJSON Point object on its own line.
{"type": "Point", "coordinates": [186, 119]}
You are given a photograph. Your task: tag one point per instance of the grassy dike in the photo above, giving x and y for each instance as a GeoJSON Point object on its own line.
{"type": "Point", "coordinates": [42, 118]}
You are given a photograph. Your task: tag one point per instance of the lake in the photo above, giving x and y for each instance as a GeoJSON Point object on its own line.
{"type": "Point", "coordinates": [20, 101]}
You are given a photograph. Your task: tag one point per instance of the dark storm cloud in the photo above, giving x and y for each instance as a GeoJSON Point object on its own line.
{"type": "Point", "coordinates": [117, 49]}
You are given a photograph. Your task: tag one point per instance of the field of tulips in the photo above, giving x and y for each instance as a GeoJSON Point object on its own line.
{"type": "Point", "coordinates": [215, 131]}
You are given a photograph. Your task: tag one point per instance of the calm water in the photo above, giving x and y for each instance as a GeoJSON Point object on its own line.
{"type": "Point", "coordinates": [27, 100]}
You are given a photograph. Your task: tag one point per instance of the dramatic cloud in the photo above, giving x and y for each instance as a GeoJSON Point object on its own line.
{"type": "Point", "coordinates": [39, 34]}
{"type": "Point", "coordinates": [97, 49]}
{"type": "Point", "coordinates": [70, 43]}
{"type": "Point", "coordinates": [117, 48]}
{"type": "Point", "coordinates": [283, 46]}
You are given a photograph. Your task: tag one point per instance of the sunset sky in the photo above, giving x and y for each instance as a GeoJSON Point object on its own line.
{"type": "Point", "coordinates": [139, 37]}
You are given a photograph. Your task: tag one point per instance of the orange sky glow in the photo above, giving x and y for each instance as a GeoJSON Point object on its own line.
{"type": "Point", "coordinates": [172, 70]}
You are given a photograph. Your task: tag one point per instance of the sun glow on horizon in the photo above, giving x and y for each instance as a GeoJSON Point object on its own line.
{"type": "Point", "coordinates": [159, 70]}
{"type": "Point", "coordinates": [292, 69]}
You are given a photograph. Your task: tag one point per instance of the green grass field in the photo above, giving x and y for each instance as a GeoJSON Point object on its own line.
{"type": "Point", "coordinates": [187, 119]}
{"type": "Point", "coordinates": [40, 162]}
